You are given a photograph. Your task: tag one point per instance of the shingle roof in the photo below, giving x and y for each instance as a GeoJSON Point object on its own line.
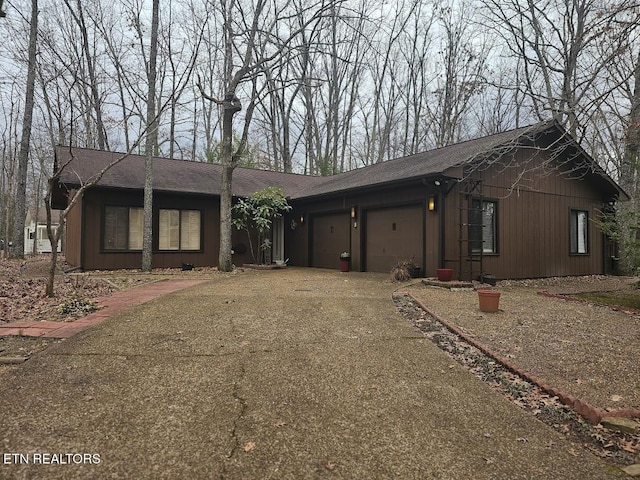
{"type": "Point", "coordinates": [42, 216]}
{"type": "Point", "coordinates": [204, 178]}
{"type": "Point", "coordinates": [432, 162]}
{"type": "Point", "coordinates": [169, 175]}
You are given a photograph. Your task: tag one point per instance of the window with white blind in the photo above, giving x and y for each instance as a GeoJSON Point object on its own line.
{"type": "Point", "coordinates": [190, 230]}
{"type": "Point", "coordinates": [179, 229]}
{"type": "Point", "coordinates": [579, 220]}
{"type": "Point", "coordinates": [483, 226]}
{"type": "Point", "coordinates": [123, 228]}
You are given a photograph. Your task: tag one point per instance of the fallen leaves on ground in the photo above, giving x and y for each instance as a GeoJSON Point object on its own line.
{"type": "Point", "coordinates": [619, 448]}
{"type": "Point", "coordinates": [22, 292]}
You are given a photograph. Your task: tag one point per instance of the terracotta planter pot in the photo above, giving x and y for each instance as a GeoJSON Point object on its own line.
{"type": "Point", "coordinates": [489, 300]}
{"type": "Point", "coordinates": [445, 274]}
{"type": "Point", "coordinates": [344, 264]}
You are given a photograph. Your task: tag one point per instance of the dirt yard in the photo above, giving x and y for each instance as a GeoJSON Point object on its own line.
{"type": "Point", "coordinates": [22, 294]}
{"type": "Point", "coordinates": [587, 350]}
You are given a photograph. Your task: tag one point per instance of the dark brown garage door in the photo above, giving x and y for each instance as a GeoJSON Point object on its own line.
{"type": "Point", "coordinates": [330, 238]}
{"type": "Point", "coordinates": [393, 234]}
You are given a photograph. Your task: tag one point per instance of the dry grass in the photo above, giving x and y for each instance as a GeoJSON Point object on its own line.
{"type": "Point", "coordinates": [588, 350]}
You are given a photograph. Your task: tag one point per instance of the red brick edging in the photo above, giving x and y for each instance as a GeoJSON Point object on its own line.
{"type": "Point", "coordinates": [110, 305]}
{"type": "Point", "coordinates": [586, 410]}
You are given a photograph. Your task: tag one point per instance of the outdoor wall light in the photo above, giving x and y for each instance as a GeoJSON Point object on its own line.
{"type": "Point", "coordinates": [431, 204]}
{"type": "Point", "coordinates": [354, 212]}
{"type": "Point", "coordinates": [301, 218]}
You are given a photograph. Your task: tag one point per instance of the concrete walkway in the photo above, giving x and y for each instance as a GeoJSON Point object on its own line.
{"type": "Point", "coordinates": [290, 374]}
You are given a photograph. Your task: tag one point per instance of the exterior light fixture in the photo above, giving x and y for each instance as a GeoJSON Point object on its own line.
{"type": "Point", "coordinates": [354, 212]}
{"type": "Point", "coordinates": [431, 204]}
{"type": "Point", "coordinates": [301, 218]}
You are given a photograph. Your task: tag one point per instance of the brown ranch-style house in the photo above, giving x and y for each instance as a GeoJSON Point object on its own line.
{"type": "Point", "coordinates": [520, 204]}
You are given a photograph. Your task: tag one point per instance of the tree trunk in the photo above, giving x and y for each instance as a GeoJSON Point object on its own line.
{"type": "Point", "coordinates": [53, 238]}
{"type": "Point", "coordinates": [150, 143]}
{"type": "Point", "coordinates": [95, 95]}
{"type": "Point", "coordinates": [629, 172]}
{"type": "Point", "coordinates": [231, 106]}
{"type": "Point", "coordinates": [225, 263]}
{"type": "Point", "coordinates": [23, 160]}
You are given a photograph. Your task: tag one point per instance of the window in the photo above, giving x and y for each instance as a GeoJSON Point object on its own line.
{"type": "Point", "coordinates": [42, 232]}
{"type": "Point", "coordinates": [579, 232]}
{"type": "Point", "coordinates": [179, 229]}
{"type": "Point", "coordinates": [123, 228]}
{"type": "Point", "coordinates": [483, 231]}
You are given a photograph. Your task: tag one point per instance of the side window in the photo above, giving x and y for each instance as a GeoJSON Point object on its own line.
{"type": "Point", "coordinates": [122, 228]}
{"type": "Point", "coordinates": [169, 228]}
{"type": "Point", "coordinates": [179, 229]}
{"type": "Point", "coordinates": [483, 226]}
{"type": "Point", "coordinates": [579, 220]}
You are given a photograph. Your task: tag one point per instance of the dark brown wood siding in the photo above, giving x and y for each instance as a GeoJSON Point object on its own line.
{"type": "Point", "coordinates": [330, 237]}
{"type": "Point", "coordinates": [95, 257]}
{"type": "Point", "coordinates": [533, 223]}
{"type": "Point", "coordinates": [297, 244]}
{"type": "Point", "coordinates": [73, 227]}
{"type": "Point", "coordinates": [296, 238]}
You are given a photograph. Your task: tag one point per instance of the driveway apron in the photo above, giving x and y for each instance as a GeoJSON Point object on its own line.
{"type": "Point", "coordinates": [284, 374]}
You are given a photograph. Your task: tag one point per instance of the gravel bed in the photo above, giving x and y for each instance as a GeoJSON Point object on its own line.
{"type": "Point", "coordinates": [618, 448]}
{"type": "Point", "coordinates": [590, 351]}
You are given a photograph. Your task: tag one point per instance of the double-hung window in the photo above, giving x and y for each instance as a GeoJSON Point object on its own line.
{"type": "Point", "coordinates": [123, 228]}
{"type": "Point", "coordinates": [179, 229]}
{"type": "Point", "coordinates": [579, 220]}
{"type": "Point", "coordinates": [483, 226]}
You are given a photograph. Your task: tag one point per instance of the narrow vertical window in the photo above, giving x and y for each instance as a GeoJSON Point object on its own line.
{"type": "Point", "coordinates": [190, 230]}
{"type": "Point", "coordinates": [136, 227]}
{"type": "Point", "coordinates": [115, 228]}
{"type": "Point", "coordinates": [579, 220]}
{"type": "Point", "coordinates": [483, 226]}
{"type": "Point", "coordinates": [169, 228]}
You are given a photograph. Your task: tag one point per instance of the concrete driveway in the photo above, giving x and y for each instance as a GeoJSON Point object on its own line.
{"type": "Point", "coordinates": [286, 374]}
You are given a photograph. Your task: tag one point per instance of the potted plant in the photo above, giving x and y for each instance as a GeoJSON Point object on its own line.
{"type": "Point", "coordinates": [489, 300]}
{"type": "Point", "coordinates": [345, 258]}
{"type": "Point", "coordinates": [445, 274]}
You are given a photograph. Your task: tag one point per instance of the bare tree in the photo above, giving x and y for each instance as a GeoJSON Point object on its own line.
{"type": "Point", "coordinates": [462, 59]}
{"type": "Point", "coordinates": [383, 111]}
{"type": "Point", "coordinates": [75, 196]}
{"type": "Point", "coordinates": [78, 16]}
{"type": "Point", "coordinates": [249, 44]}
{"type": "Point", "coordinates": [151, 141]}
{"type": "Point", "coordinates": [629, 215]}
{"type": "Point", "coordinates": [416, 51]}
{"type": "Point", "coordinates": [10, 149]}
{"type": "Point", "coordinates": [27, 121]}
{"type": "Point", "coordinates": [557, 42]}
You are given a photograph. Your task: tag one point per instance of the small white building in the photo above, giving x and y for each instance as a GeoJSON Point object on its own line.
{"type": "Point", "coordinates": [35, 230]}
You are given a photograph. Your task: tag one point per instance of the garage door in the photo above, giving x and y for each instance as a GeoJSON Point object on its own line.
{"type": "Point", "coordinates": [393, 234]}
{"type": "Point", "coordinates": [330, 237]}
